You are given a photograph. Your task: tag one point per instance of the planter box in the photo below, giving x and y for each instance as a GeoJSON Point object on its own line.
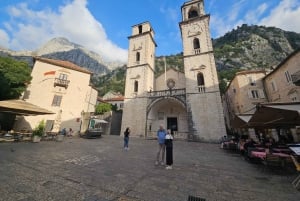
{"type": "Point", "coordinates": [36, 139]}
{"type": "Point", "coordinates": [59, 138]}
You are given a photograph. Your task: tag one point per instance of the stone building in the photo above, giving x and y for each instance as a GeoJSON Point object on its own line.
{"type": "Point", "coordinates": [280, 85]}
{"type": "Point", "coordinates": [63, 88]}
{"type": "Point", "coordinates": [242, 95]}
{"type": "Point", "coordinates": [259, 102]}
{"type": "Point", "coordinates": [114, 98]}
{"type": "Point", "coordinates": [186, 102]}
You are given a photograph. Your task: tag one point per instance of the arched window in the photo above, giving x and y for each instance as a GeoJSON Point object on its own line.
{"type": "Point", "coordinates": [193, 13]}
{"type": "Point", "coordinates": [138, 56]}
{"type": "Point", "coordinates": [136, 86]}
{"type": "Point", "coordinates": [200, 82]}
{"type": "Point", "coordinates": [196, 43]}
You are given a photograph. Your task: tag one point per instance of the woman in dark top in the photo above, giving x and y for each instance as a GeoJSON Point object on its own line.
{"type": "Point", "coordinates": [169, 150]}
{"type": "Point", "coordinates": [126, 138]}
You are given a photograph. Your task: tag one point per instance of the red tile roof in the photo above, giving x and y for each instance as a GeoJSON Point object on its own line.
{"type": "Point", "coordinates": [65, 64]}
{"type": "Point", "coordinates": [121, 98]}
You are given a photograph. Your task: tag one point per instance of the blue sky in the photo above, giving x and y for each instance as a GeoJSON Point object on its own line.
{"type": "Point", "coordinates": [104, 25]}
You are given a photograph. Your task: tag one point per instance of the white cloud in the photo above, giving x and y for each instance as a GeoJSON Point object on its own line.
{"type": "Point", "coordinates": [73, 21]}
{"type": "Point", "coordinates": [284, 16]}
{"type": "Point", "coordinates": [262, 8]}
{"type": "Point", "coordinates": [219, 26]}
{"type": "Point", "coordinates": [236, 8]}
{"type": "Point", "coordinates": [4, 38]}
{"type": "Point", "coordinates": [253, 16]}
{"type": "Point", "coordinates": [222, 24]}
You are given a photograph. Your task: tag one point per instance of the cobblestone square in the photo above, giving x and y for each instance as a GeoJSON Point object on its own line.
{"type": "Point", "coordinates": [100, 170]}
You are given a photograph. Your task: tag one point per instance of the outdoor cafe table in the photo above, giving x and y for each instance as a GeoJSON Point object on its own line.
{"type": "Point", "coordinates": [281, 150]}
{"type": "Point", "coordinates": [262, 155]}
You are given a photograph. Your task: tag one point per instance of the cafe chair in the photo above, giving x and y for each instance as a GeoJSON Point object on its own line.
{"type": "Point", "coordinates": [296, 181]}
{"type": "Point", "coordinates": [272, 162]}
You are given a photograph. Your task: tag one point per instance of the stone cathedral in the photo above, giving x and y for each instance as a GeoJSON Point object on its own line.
{"type": "Point", "coordinates": [188, 102]}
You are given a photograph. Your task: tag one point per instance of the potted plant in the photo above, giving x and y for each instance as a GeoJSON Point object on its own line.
{"type": "Point", "coordinates": [38, 132]}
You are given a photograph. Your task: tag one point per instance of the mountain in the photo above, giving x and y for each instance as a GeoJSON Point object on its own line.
{"type": "Point", "coordinates": [63, 49]}
{"type": "Point", "coordinates": [246, 47]}
{"type": "Point", "coordinates": [249, 47]}
{"type": "Point", "coordinates": [79, 57]}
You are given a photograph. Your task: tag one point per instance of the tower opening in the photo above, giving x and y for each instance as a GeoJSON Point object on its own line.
{"type": "Point", "coordinates": [136, 86]}
{"type": "Point", "coordinates": [200, 81]}
{"type": "Point", "coordinates": [140, 29]}
{"type": "Point", "coordinates": [138, 55]}
{"type": "Point", "coordinates": [196, 43]}
{"type": "Point", "coordinates": [193, 13]}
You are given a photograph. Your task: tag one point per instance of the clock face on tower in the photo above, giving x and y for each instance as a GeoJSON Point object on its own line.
{"type": "Point", "coordinates": [195, 29]}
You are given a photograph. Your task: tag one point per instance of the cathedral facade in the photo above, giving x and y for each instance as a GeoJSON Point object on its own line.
{"type": "Point", "coordinates": [188, 103]}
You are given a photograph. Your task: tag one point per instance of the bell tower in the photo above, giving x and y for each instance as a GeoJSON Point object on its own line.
{"type": "Point", "coordinates": [205, 111]}
{"type": "Point", "coordinates": [139, 78]}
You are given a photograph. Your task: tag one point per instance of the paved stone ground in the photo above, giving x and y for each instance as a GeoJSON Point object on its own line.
{"type": "Point", "coordinates": [100, 170]}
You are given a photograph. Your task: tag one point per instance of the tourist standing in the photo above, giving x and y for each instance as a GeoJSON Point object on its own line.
{"type": "Point", "coordinates": [169, 150]}
{"type": "Point", "coordinates": [161, 135]}
{"type": "Point", "coordinates": [126, 138]}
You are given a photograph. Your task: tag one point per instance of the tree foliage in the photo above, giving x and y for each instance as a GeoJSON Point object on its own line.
{"type": "Point", "coordinates": [14, 75]}
{"type": "Point", "coordinates": [113, 81]}
{"type": "Point", "coordinates": [102, 108]}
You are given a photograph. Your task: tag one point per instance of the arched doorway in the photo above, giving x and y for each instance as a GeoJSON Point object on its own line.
{"type": "Point", "coordinates": [171, 113]}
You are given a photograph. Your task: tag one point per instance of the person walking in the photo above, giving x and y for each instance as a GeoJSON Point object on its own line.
{"type": "Point", "coordinates": [161, 134]}
{"type": "Point", "coordinates": [126, 138]}
{"type": "Point", "coordinates": [169, 150]}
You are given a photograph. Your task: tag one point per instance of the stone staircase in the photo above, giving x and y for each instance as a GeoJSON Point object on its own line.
{"type": "Point", "coordinates": [116, 121]}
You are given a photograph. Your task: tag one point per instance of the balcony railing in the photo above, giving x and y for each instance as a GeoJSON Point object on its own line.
{"type": "Point", "coordinates": [201, 89]}
{"type": "Point", "coordinates": [173, 92]}
{"type": "Point", "coordinates": [61, 82]}
{"type": "Point", "coordinates": [296, 78]}
{"type": "Point", "coordinates": [197, 51]}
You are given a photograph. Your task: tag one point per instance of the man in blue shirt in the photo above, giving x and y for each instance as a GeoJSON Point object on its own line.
{"type": "Point", "coordinates": [161, 135]}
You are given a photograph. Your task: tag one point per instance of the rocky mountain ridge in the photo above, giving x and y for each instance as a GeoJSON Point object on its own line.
{"type": "Point", "coordinates": [62, 49]}
{"type": "Point", "coordinates": [252, 47]}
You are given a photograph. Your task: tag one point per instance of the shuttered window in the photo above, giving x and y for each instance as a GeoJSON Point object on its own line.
{"type": "Point", "coordinates": [56, 100]}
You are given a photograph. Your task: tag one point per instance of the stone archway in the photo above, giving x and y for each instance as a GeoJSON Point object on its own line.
{"type": "Point", "coordinates": [170, 112]}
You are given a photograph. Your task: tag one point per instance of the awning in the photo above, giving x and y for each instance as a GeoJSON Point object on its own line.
{"type": "Point", "coordinates": [294, 107]}
{"type": "Point", "coordinates": [271, 115]}
{"type": "Point", "coordinates": [241, 120]}
{"type": "Point", "coordinates": [100, 121]}
{"type": "Point", "coordinates": [21, 107]}
{"type": "Point", "coordinates": [245, 118]}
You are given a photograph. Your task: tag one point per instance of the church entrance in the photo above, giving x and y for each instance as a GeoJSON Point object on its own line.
{"type": "Point", "coordinates": [172, 124]}
{"type": "Point", "coordinates": [169, 112]}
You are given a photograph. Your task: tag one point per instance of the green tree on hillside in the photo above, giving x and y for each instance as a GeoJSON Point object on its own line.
{"type": "Point", "coordinates": [14, 75]}
{"type": "Point", "coordinates": [101, 108]}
